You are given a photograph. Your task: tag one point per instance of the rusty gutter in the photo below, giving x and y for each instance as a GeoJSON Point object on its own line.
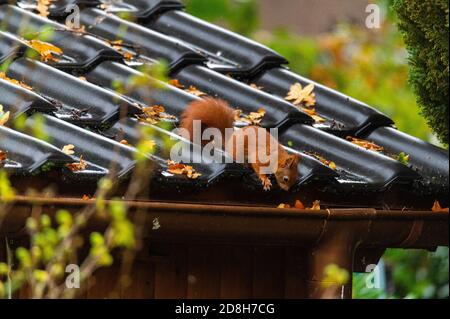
{"type": "Point", "coordinates": [329, 236]}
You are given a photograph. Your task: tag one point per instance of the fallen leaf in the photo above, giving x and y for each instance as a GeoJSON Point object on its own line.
{"type": "Point", "coordinates": [323, 160]}
{"type": "Point", "coordinates": [299, 95]}
{"type": "Point", "coordinates": [79, 166]}
{"type": "Point", "coordinates": [153, 114]}
{"type": "Point", "coordinates": [313, 113]}
{"type": "Point", "coordinates": [3, 156]}
{"type": "Point", "coordinates": [299, 204]}
{"type": "Point", "coordinates": [438, 209]}
{"type": "Point", "coordinates": [194, 91]}
{"type": "Point", "coordinates": [124, 142]}
{"type": "Point", "coordinates": [4, 116]}
{"type": "Point", "coordinates": [182, 169]}
{"type": "Point", "coordinates": [14, 81]}
{"type": "Point", "coordinates": [176, 83]}
{"type": "Point", "coordinates": [255, 86]}
{"type": "Point", "coordinates": [365, 144]}
{"type": "Point", "coordinates": [128, 56]}
{"type": "Point", "coordinates": [254, 118]}
{"type": "Point", "coordinates": [45, 50]}
{"type": "Point", "coordinates": [315, 205]}
{"type": "Point", "coordinates": [68, 149]}
{"type": "Point", "coordinates": [43, 7]}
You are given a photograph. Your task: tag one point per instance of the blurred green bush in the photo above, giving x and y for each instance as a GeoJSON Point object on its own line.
{"type": "Point", "coordinates": [370, 65]}
{"type": "Point", "coordinates": [425, 27]}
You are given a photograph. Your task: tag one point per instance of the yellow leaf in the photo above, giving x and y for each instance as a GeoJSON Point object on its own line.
{"type": "Point", "coordinates": [68, 149]}
{"type": "Point", "coordinates": [298, 95]}
{"type": "Point", "coordinates": [45, 50]}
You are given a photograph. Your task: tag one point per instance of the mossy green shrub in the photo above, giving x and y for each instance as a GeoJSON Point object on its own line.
{"type": "Point", "coordinates": [425, 28]}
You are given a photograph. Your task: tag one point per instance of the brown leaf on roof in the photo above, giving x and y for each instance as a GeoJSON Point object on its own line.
{"type": "Point", "coordinates": [124, 142]}
{"type": "Point", "coordinates": [365, 144]}
{"type": "Point", "coordinates": [254, 118]}
{"type": "Point", "coordinates": [323, 160]}
{"type": "Point", "coordinates": [45, 50]}
{"type": "Point", "coordinates": [302, 96]}
{"type": "Point", "coordinates": [315, 206]}
{"type": "Point", "coordinates": [3, 76]}
{"type": "Point", "coordinates": [182, 169]}
{"type": "Point", "coordinates": [255, 86]}
{"type": "Point", "coordinates": [437, 208]}
{"type": "Point", "coordinates": [313, 113]}
{"type": "Point", "coordinates": [3, 156]}
{"type": "Point", "coordinates": [176, 83]}
{"type": "Point", "coordinates": [79, 166]}
{"type": "Point", "coordinates": [194, 91]}
{"type": "Point", "coordinates": [299, 204]}
{"type": "Point", "coordinates": [153, 114]}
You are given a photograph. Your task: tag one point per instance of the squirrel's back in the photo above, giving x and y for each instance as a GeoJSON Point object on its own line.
{"type": "Point", "coordinates": [213, 113]}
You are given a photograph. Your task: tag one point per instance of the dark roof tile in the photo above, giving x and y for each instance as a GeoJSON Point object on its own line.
{"type": "Point", "coordinates": [351, 116]}
{"type": "Point", "coordinates": [81, 51]}
{"type": "Point", "coordinates": [80, 100]}
{"type": "Point", "coordinates": [19, 100]}
{"type": "Point", "coordinates": [147, 43]}
{"type": "Point", "coordinates": [26, 154]}
{"type": "Point", "coordinates": [227, 51]}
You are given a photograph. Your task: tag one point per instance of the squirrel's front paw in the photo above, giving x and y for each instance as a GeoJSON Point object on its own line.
{"type": "Point", "coordinates": [267, 184]}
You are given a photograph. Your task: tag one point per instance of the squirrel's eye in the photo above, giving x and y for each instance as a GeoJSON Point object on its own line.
{"type": "Point", "coordinates": [286, 178]}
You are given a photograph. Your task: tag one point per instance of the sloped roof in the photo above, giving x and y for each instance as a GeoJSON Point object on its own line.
{"type": "Point", "coordinates": [77, 96]}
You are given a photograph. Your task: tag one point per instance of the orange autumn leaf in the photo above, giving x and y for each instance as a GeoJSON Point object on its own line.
{"type": "Point", "coordinates": [313, 113]}
{"type": "Point", "coordinates": [153, 114]}
{"type": "Point", "coordinates": [3, 156]}
{"type": "Point", "coordinates": [315, 205]}
{"type": "Point", "coordinates": [299, 204]}
{"type": "Point", "coordinates": [86, 197]}
{"type": "Point", "coordinates": [365, 144]}
{"type": "Point", "coordinates": [437, 208]}
{"type": "Point", "coordinates": [194, 91]}
{"type": "Point", "coordinates": [45, 50]}
{"type": "Point", "coordinates": [181, 169]}
{"type": "Point", "coordinates": [254, 118]}
{"type": "Point", "coordinates": [79, 166]}
{"type": "Point", "coordinates": [124, 142]}
{"type": "Point", "coordinates": [176, 83]}
{"type": "Point", "coordinates": [3, 76]}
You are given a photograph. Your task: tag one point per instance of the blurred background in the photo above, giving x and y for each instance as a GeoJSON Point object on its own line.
{"type": "Point", "coordinates": [328, 41]}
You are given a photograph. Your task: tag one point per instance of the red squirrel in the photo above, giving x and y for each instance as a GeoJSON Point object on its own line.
{"type": "Point", "coordinates": [216, 113]}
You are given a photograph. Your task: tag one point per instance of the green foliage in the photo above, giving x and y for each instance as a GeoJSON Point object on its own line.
{"type": "Point", "coordinates": [240, 15]}
{"type": "Point", "coordinates": [425, 27]}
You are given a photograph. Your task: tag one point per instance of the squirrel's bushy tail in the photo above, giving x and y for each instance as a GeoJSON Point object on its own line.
{"type": "Point", "coordinates": [213, 113]}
